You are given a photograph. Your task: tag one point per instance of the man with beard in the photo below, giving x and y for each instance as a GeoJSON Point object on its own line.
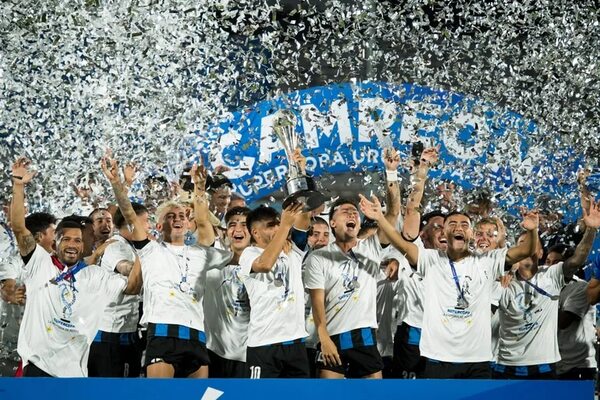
{"type": "Point", "coordinates": [456, 336]}
{"type": "Point", "coordinates": [102, 225]}
{"type": "Point", "coordinates": [227, 305]}
{"type": "Point", "coordinates": [66, 297]}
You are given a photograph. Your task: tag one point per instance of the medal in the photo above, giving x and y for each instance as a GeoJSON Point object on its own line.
{"type": "Point", "coordinates": [354, 284]}
{"type": "Point", "coordinates": [278, 282]}
{"type": "Point", "coordinates": [461, 303]}
{"type": "Point", "coordinates": [184, 286]}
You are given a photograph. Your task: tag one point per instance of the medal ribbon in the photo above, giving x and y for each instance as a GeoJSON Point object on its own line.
{"type": "Point", "coordinates": [539, 289]}
{"type": "Point", "coordinates": [461, 292]}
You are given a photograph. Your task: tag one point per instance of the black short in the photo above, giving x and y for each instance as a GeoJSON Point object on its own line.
{"type": "Point", "coordinates": [32, 371]}
{"type": "Point", "coordinates": [530, 372]}
{"type": "Point", "coordinates": [448, 370]}
{"type": "Point", "coordinates": [407, 361]}
{"type": "Point", "coordinates": [357, 362]}
{"type": "Point", "coordinates": [115, 359]}
{"type": "Point", "coordinates": [277, 361]}
{"type": "Point", "coordinates": [224, 368]}
{"type": "Point", "coordinates": [312, 361]}
{"type": "Point", "coordinates": [186, 356]}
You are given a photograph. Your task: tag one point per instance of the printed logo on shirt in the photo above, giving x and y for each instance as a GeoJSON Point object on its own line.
{"type": "Point", "coordinates": [281, 280]}
{"type": "Point", "coordinates": [525, 303]}
{"type": "Point", "coordinates": [241, 302]}
{"type": "Point", "coordinates": [61, 324]}
{"type": "Point", "coordinates": [349, 279]}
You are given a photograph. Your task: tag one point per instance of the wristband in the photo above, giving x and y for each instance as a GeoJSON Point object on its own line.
{"type": "Point", "coordinates": [17, 177]}
{"type": "Point", "coordinates": [407, 239]}
{"type": "Point", "coordinates": [391, 176]}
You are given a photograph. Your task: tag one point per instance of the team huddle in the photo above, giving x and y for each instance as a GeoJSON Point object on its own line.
{"type": "Point", "coordinates": [215, 289]}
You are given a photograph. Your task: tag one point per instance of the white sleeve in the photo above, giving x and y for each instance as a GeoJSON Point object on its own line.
{"type": "Point", "coordinates": [247, 258]}
{"type": "Point", "coordinates": [216, 258]}
{"type": "Point", "coordinates": [314, 273]}
{"type": "Point", "coordinates": [576, 301]}
{"type": "Point", "coordinates": [496, 260]}
{"type": "Point", "coordinates": [111, 284]}
{"type": "Point", "coordinates": [558, 276]}
{"type": "Point", "coordinates": [114, 254]}
{"type": "Point", "coordinates": [38, 258]}
{"type": "Point", "coordinates": [427, 259]}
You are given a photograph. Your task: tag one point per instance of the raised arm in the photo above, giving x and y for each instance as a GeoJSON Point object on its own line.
{"type": "Point", "coordinates": [412, 217]}
{"type": "Point", "coordinates": [267, 259]}
{"type": "Point", "coordinates": [591, 217]}
{"type": "Point", "coordinates": [528, 247]}
{"type": "Point", "coordinates": [206, 232]}
{"type": "Point", "coordinates": [21, 175]}
{"type": "Point", "coordinates": [111, 171]}
{"type": "Point", "coordinates": [372, 209]}
{"type": "Point", "coordinates": [391, 160]}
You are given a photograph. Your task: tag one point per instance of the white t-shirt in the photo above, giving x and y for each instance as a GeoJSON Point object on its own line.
{"type": "Point", "coordinates": [227, 313]}
{"type": "Point", "coordinates": [121, 315]}
{"type": "Point", "coordinates": [350, 283]}
{"type": "Point", "coordinates": [60, 324]}
{"type": "Point", "coordinates": [529, 319]}
{"type": "Point", "coordinates": [164, 267]}
{"type": "Point", "coordinates": [496, 294]}
{"type": "Point", "coordinates": [276, 298]}
{"type": "Point", "coordinates": [576, 342]}
{"type": "Point", "coordinates": [449, 333]}
{"type": "Point", "coordinates": [410, 290]}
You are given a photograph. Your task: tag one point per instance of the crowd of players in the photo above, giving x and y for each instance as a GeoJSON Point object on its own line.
{"type": "Point", "coordinates": [212, 288]}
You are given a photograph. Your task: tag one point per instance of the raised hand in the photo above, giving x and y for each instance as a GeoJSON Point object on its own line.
{"type": "Point", "coordinates": [391, 159]}
{"type": "Point", "coordinates": [299, 159]}
{"type": "Point", "coordinates": [291, 213]}
{"type": "Point", "coordinates": [21, 171]}
{"type": "Point", "coordinates": [110, 168]}
{"type": "Point", "coordinates": [199, 174]}
{"type": "Point", "coordinates": [531, 219]}
{"type": "Point", "coordinates": [130, 171]}
{"type": "Point", "coordinates": [371, 208]}
{"type": "Point", "coordinates": [591, 216]}
{"type": "Point", "coordinates": [430, 155]}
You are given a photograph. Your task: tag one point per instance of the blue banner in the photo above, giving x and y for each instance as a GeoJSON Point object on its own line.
{"type": "Point", "coordinates": [346, 126]}
{"type": "Point", "coordinates": [296, 389]}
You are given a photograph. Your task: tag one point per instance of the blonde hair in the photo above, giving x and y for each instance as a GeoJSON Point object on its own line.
{"type": "Point", "coordinates": [168, 205]}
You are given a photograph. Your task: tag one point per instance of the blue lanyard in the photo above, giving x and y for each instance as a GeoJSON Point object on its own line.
{"type": "Point", "coordinates": [461, 292]}
{"type": "Point", "coordinates": [69, 273]}
{"type": "Point", "coordinates": [538, 289]}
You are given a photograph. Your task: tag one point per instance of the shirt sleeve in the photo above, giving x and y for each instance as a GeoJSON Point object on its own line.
{"type": "Point", "coordinates": [558, 276]}
{"type": "Point", "coordinates": [217, 258]}
{"type": "Point", "coordinates": [497, 260]}
{"type": "Point", "coordinates": [114, 254]}
{"type": "Point", "coordinates": [36, 259]}
{"type": "Point", "coordinates": [248, 256]}
{"type": "Point", "coordinates": [314, 273]}
{"type": "Point", "coordinates": [576, 301]}
{"type": "Point", "coordinates": [427, 258]}
{"type": "Point", "coordinates": [109, 283]}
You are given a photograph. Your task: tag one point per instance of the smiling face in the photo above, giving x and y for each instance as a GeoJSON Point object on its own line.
{"type": "Point", "coordinates": [433, 234]}
{"type": "Point", "coordinates": [486, 237]}
{"type": "Point", "coordinates": [345, 222]}
{"type": "Point", "coordinates": [174, 224]}
{"type": "Point", "coordinates": [319, 236]}
{"type": "Point", "coordinates": [237, 233]}
{"type": "Point", "coordinates": [457, 229]}
{"type": "Point", "coordinates": [70, 246]}
{"type": "Point", "coordinates": [103, 225]}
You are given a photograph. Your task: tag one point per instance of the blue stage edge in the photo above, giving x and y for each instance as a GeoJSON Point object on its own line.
{"type": "Point", "coordinates": [305, 389]}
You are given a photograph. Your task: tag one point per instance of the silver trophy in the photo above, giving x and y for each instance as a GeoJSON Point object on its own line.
{"type": "Point", "coordinates": [299, 187]}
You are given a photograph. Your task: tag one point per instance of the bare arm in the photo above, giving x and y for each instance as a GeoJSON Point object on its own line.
{"type": "Point", "coordinates": [372, 209]}
{"type": "Point", "coordinates": [111, 171]}
{"type": "Point", "coordinates": [391, 161]}
{"type": "Point", "coordinates": [267, 259]}
{"type": "Point", "coordinates": [529, 246]}
{"type": "Point", "coordinates": [206, 232]}
{"type": "Point", "coordinates": [593, 291]}
{"type": "Point", "coordinates": [591, 217]}
{"type": "Point", "coordinates": [328, 348]}
{"type": "Point", "coordinates": [20, 177]}
{"type": "Point", "coordinates": [134, 280]}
